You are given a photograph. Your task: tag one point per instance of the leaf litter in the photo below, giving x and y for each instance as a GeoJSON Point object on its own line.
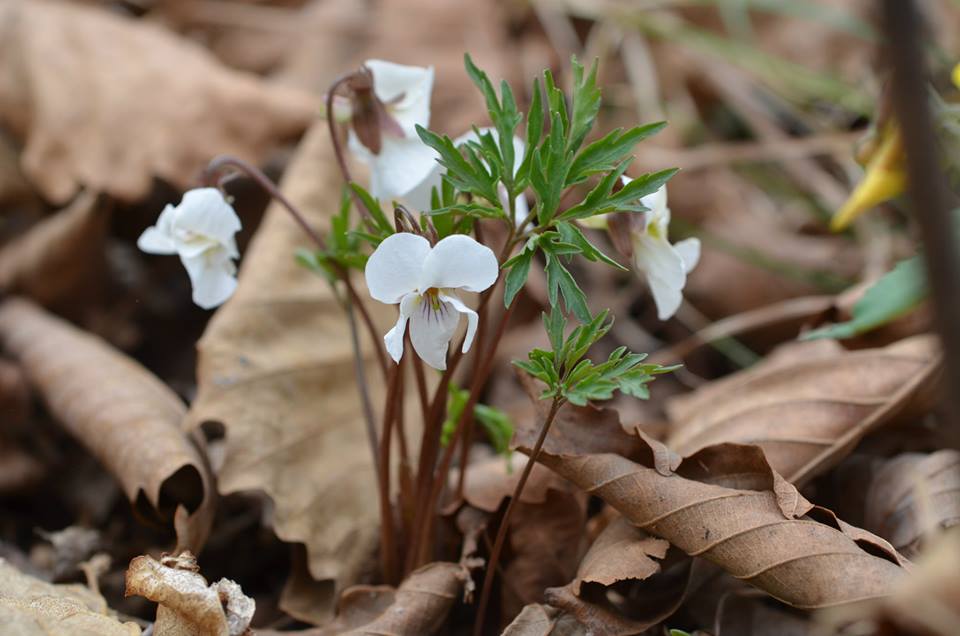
{"type": "Point", "coordinates": [697, 511]}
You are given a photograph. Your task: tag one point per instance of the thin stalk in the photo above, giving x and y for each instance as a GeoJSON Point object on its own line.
{"type": "Point", "coordinates": [388, 545]}
{"type": "Point", "coordinates": [220, 162]}
{"type": "Point", "coordinates": [364, 389]}
{"type": "Point", "coordinates": [439, 477]}
{"type": "Point", "coordinates": [421, 388]}
{"type": "Point", "coordinates": [505, 522]}
{"type": "Point", "coordinates": [932, 200]}
{"type": "Point", "coordinates": [367, 322]}
{"type": "Point", "coordinates": [338, 147]}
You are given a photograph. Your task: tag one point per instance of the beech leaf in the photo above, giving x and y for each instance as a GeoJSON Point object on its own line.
{"type": "Point", "coordinates": [125, 416]}
{"type": "Point", "coordinates": [99, 113]}
{"type": "Point", "coordinates": [728, 506]}
{"type": "Point", "coordinates": [275, 367]}
{"type": "Point", "coordinates": [913, 495]}
{"type": "Point", "coordinates": [809, 406]}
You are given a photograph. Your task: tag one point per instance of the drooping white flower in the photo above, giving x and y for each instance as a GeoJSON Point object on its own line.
{"type": "Point", "coordinates": [403, 161]}
{"type": "Point", "coordinates": [419, 197]}
{"type": "Point", "coordinates": [665, 266]}
{"type": "Point", "coordinates": [406, 270]}
{"type": "Point", "coordinates": [201, 230]}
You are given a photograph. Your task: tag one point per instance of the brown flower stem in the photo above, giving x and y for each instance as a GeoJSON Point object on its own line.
{"type": "Point", "coordinates": [439, 480]}
{"type": "Point", "coordinates": [505, 522]}
{"type": "Point", "coordinates": [338, 146]}
{"type": "Point", "coordinates": [375, 337]}
{"type": "Point", "coordinates": [358, 370]}
{"type": "Point", "coordinates": [421, 387]}
{"type": "Point", "coordinates": [388, 545]}
{"type": "Point", "coordinates": [221, 162]}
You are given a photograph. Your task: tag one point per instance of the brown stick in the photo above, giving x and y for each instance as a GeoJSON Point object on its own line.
{"type": "Point", "coordinates": [931, 198]}
{"type": "Point", "coordinates": [505, 522]}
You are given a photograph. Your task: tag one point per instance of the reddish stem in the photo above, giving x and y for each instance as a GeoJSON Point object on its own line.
{"type": "Point", "coordinates": [505, 522]}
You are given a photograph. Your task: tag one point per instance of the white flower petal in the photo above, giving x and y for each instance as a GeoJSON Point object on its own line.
{"type": "Point", "coordinates": [664, 270]}
{"type": "Point", "coordinates": [158, 239]}
{"type": "Point", "coordinates": [431, 330]}
{"type": "Point", "coordinates": [394, 338]}
{"type": "Point", "coordinates": [204, 212]}
{"type": "Point", "coordinates": [213, 282]}
{"type": "Point", "coordinates": [419, 197]}
{"type": "Point", "coordinates": [459, 262]}
{"type": "Point", "coordinates": [689, 250]}
{"type": "Point", "coordinates": [394, 268]}
{"type": "Point", "coordinates": [412, 84]}
{"type": "Point", "coordinates": [657, 202]}
{"type": "Point", "coordinates": [401, 166]}
{"type": "Point", "coordinates": [472, 319]}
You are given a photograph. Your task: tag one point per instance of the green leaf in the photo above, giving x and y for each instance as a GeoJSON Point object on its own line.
{"type": "Point", "coordinates": [607, 152]}
{"type": "Point", "coordinates": [560, 279]}
{"type": "Point", "coordinates": [586, 104]}
{"type": "Point", "coordinates": [899, 291]}
{"type": "Point", "coordinates": [572, 234]}
{"type": "Point", "coordinates": [517, 276]}
{"type": "Point", "coordinates": [466, 173]}
{"type": "Point", "coordinates": [373, 206]}
{"type": "Point", "coordinates": [534, 132]}
{"type": "Point", "coordinates": [555, 323]}
{"type": "Point", "coordinates": [498, 426]}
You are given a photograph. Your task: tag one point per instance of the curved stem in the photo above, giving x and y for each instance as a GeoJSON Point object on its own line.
{"type": "Point", "coordinates": [217, 165]}
{"type": "Point", "coordinates": [338, 147]}
{"type": "Point", "coordinates": [388, 546]}
{"type": "Point", "coordinates": [505, 522]}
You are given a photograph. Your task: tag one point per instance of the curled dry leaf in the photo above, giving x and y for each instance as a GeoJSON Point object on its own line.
{"type": "Point", "coordinates": [186, 604]}
{"type": "Point", "coordinates": [809, 406]}
{"type": "Point", "coordinates": [622, 554]}
{"type": "Point", "coordinates": [31, 607]}
{"type": "Point", "coordinates": [56, 261]}
{"type": "Point", "coordinates": [121, 412]}
{"type": "Point", "coordinates": [914, 495]}
{"type": "Point", "coordinates": [76, 109]}
{"type": "Point", "coordinates": [726, 504]}
{"type": "Point", "coordinates": [276, 369]}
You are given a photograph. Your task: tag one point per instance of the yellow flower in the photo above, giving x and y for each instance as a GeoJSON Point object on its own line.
{"type": "Point", "coordinates": [884, 179]}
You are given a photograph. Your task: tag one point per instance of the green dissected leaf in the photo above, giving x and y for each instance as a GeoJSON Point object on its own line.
{"type": "Point", "coordinates": [607, 152]}
{"type": "Point", "coordinates": [571, 234]}
{"type": "Point", "coordinates": [519, 269]}
{"type": "Point", "coordinates": [555, 323]}
{"type": "Point", "coordinates": [534, 133]}
{"type": "Point", "coordinates": [467, 174]}
{"type": "Point", "coordinates": [896, 293]}
{"type": "Point", "coordinates": [560, 279]}
{"type": "Point", "coordinates": [586, 104]}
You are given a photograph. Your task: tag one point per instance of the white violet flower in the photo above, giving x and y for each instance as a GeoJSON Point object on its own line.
{"type": "Point", "coordinates": [201, 230]}
{"type": "Point", "coordinates": [406, 270]}
{"type": "Point", "coordinates": [403, 161]}
{"type": "Point", "coordinates": [665, 266]}
{"type": "Point", "coordinates": [419, 197]}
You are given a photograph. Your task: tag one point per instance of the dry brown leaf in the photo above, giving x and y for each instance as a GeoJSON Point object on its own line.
{"type": "Point", "coordinates": [728, 506]}
{"type": "Point", "coordinates": [622, 554]}
{"type": "Point", "coordinates": [56, 261]}
{"type": "Point", "coordinates": [122, 413]}
{"type": "Point", "coordinates": [927, 603]}
{"type": "Point", "coordinates": [421, 603]}
{"type": "Point", "coordinates": [31, 607]}
{"type": "Point", "coordinates": [126, 101]}
{"type": "Point", "coordinates": [276, 369]}
{"type": "Point", "coordinates": [809, 407]}
{"type": "Point", "coordinates": [186, 604]}
{"type": "Point", "coordinates": [543, 620]}
{"type": "Point", "coordinates": [914, 495]}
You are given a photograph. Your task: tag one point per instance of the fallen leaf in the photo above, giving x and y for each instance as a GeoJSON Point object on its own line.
{"type": "Point", "coordinates": [913, 496]}
{"type": "Point", "coordinates": [71, 545]}
{"type": "Point", "coordinates": [31, 607]}
{"type": "Point", "coordinates": [807, 409]}
{"type": "Point", "coordinates": [186, 604]}
{"type": "Point", "coordinates": [122, 413]}
{"type": "Point", "coordinates": [727, 505]}
{"type": "Point", "coordinates": [59, 260]}
{"type": "Point", "coordinates": [275, 367]}
{"type": "Point", "coordinates": [924, 604]}
{"type": "Point", "coordinates": [622, 554]}
{"type": "Point", "coordinates": [543, 620]}
{"type": "Point", "coordinates": [126, 102]}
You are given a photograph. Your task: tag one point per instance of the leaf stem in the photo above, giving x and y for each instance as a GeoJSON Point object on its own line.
{"type": "Point", "coordinates": [505, 522]}
{"type": "Point", "coordinates": [388, 545]}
